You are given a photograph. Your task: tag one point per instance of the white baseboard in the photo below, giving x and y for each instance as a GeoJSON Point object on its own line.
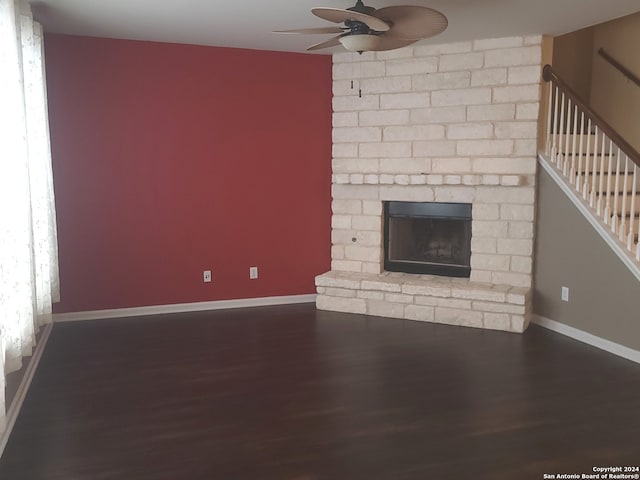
{"type": "Point", "coordinates": [21, 393]}
{"type": "Point", "coordinates": [588, 338]}
{"type": "Point", "coordinates": [182, 308]}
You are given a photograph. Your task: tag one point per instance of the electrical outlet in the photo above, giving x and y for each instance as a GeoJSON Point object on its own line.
{"type": "Point", "coordinates": [565, 294]}
{"type": "Point", "coordinates": [253, 273]}
{"type": "Point", "coordinates": [206, 276]}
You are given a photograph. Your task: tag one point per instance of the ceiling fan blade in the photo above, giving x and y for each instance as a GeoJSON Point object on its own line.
{"type": "Point", "coordinates": [339, 15]}
{"type": "Point", "coordinates": [391, 43]}
{"type": "Point", "coordinates": [329, 43]}
{"type": "Point", "coordinates": [313, 30]}
{"type": "Point", "coordinates": [412, 22]}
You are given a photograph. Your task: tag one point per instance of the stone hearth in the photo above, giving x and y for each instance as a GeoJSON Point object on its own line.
{"type": "Point", "coordinates": [428, 298]}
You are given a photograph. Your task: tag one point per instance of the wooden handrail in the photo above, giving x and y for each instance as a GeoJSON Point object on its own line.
{"type": "Point", "coordinates": [549, 75]}
{"type": "Point", "coordinates": [624, 70]}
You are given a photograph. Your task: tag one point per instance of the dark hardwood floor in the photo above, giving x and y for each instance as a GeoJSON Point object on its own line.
{"type": "Point", "coordinates": [292, 393]}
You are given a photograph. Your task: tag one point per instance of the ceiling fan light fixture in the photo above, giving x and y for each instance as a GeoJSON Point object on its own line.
{"type": "Point", "coordinates": [360, 43]}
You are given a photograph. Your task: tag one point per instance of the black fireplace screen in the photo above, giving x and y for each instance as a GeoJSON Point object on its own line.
{"type": "Point", "coordinates": [428, 238]}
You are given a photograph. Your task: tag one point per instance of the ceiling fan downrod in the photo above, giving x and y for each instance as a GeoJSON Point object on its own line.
{"type": "Point", "coordinates": [362, 8]}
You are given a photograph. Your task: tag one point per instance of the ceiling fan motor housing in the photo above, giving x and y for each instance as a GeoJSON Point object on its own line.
{"type": "Point", "coordinates": [358, 28]}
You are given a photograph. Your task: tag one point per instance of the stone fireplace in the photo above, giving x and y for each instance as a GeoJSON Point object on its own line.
{"type": "Point", "coordinates": [428, 238]}
{"type": "Point", "coordinates": [442, 139]}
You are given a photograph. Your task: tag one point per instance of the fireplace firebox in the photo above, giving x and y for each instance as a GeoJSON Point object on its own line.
{"type": "Point", "coordinates": [428, 238]}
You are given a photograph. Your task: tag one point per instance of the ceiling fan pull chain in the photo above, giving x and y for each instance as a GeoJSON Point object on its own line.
{"type": "Point", "coordinates": [359, 75]}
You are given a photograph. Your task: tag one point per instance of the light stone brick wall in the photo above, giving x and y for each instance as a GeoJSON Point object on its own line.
{"type": "Point", "coordinates": [446, 123]}
{"type": "Point", "coordinates": [451, 301]}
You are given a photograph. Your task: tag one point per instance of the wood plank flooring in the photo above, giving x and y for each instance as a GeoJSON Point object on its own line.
{"type": "Point", "coordinates": [296, 394]}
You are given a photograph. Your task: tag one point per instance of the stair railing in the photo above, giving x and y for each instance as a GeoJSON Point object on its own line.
{"type": "Point", "coordinates": [602, 167]}
{"type": "Point", "coordinates": [632, 77]}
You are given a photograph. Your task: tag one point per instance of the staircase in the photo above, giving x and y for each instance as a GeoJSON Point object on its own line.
{"type": "Point", "coordinates": [601, 166]}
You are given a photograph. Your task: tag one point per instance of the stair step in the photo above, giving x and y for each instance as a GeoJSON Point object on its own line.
{"type": "Point", "coordinates": [627, 225]}
{"type": "Point", "coordinates": [628, 216]}
{"type": "Point", "coordinates": [620, 200]}
{"type": "Point", "coordinates": [610, 182]}
{"type": "Point", "coordinates": [588, 141]}
{"type": "Point", "coordinates": [596, 164]}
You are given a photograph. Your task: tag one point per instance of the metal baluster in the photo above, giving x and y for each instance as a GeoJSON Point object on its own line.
{"type": "Point", "coordinates": [579, 172]}
{"type": "Point", "coordinates": [557, 160]}
{"type": "Point", "coordinates": [572, 171]}
{"type": "Point", "coordinates": [616, 193]}
{"type": "Point", "coordinates": [585, 187]}
{"type": "Point", "coordinates": [549, 124]}
{"type": "Point", "coordinates": [607, 208]}
{"type": "Point", "coordinates": [567, 135]}
{"type": "Point", "coordinates": [622, 231]}
{"type": "Point", "coordinates": [601, 182]}
{"type": "Point", "coordinates": [554, 147]}
{"type": "Point", "coordinates": [638, 244]}
{"type": "Point", "coordinates": [632, 211]}
{"type": "Point", "coordinates": [594, 169]}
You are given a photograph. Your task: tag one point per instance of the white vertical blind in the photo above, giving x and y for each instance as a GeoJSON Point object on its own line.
{"type": "Point", "coordinates": [28, 241]}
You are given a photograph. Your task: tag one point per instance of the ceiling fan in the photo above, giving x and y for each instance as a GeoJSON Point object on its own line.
{"type": "Point", "coordinates": [367, 29]}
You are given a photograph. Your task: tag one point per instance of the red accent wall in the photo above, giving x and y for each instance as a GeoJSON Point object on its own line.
{"type": "Point", "coordinates": [173, 159]}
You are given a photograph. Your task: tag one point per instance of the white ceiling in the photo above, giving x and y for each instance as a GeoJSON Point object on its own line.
{"type": "Point", "coordinates": [249, 23]}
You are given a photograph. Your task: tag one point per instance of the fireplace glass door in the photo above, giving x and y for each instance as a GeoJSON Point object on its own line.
{"type": "Point", "coordinates": [428, 238]}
